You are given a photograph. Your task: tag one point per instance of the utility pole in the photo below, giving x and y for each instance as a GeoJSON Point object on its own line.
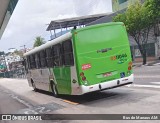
{"type": "Point", "coordinates": [24, 48]}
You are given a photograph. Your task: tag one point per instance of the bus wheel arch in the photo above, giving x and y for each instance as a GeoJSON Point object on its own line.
{"type": "Point", "coordinates": [33, 85]}
{"type": "Point", "coordinates": [54, 88]}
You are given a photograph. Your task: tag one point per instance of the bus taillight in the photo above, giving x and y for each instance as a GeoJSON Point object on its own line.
{"type": "Point", "coordinates": [81, 74]}
{"type": "Point", "coordinates": [83, 77]}
{"type": "Point", "coordinates": [130, 66]}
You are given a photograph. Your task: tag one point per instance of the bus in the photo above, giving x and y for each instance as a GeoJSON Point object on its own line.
{"type": "Point", "coordinates": [84, 60]}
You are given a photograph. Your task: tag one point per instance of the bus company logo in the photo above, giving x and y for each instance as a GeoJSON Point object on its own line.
{"type": "Point", "coordinates": [104, 50]}
{"type": "Point", "coordinates": [122, 56]}
{"type": "Point", "coordinates": [86, 66]}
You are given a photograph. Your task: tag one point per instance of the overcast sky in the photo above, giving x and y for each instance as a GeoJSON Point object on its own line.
{"type": "Point", "coordinates": [30, 18]}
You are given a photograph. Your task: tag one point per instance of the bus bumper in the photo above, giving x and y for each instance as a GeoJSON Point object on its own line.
{"type": "Point", "coordinates": [107, 85]}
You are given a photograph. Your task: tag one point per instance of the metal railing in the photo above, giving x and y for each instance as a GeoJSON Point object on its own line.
{"type": "Point", "coordinates": [17, 73]}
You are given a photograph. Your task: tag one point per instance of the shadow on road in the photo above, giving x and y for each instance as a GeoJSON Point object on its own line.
{"type": "Point", "coordinates": [89, 97]}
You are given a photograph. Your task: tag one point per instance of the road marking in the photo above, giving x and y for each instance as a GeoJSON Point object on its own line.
{"type": "Point", "coordinates": [154, 76]}
{"type": "Point", "coordinates": [156, 64]}
{"type": "Point", "coordinates": [18, 98]}
{"type": "Point", "coordinates": [158, 83]}
{"type": "Point", "coordinates": [41, 109]}
{"type": "Point", "coordinates": [70, 102]}
{"type": "Point", "coordinates": [144, 86]}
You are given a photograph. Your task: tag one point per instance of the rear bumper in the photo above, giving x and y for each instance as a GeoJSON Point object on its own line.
{"type": "Point", "coordinates": [107, 85]}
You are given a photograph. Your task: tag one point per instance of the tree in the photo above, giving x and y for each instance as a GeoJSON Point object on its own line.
{"type": "Point", "coordinates": [18, 52]}
{"type": "Point", "coordinates": [138, 24]}
{"type": "Point", "coordinates": [154, 7]}
{"type": "Point", "coordinates": [38, 41]}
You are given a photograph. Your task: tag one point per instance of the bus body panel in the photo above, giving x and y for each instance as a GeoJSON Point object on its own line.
{"type": "Point", "coordinates": [102, 53]}
{"type": "Point", "coordinates": [40, 77]}
{"type": "Point", "coordinates": [63, 79]}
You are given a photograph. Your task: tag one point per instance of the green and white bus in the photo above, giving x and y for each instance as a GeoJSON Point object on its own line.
{"type": "Point", "coordinates": [83, 60]}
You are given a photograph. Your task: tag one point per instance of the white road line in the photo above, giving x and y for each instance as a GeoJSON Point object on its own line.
{"type": "Point", "coordinates": [158, 83]}
{"type": "Point", "coordinates": [147, 76]}
{"type": "Point", "coordinates": [143, 86]}
{"type": "Point", "coordinates": [156, 64]}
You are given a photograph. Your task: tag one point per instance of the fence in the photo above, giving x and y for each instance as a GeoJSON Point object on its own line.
{"type": "Point", "coordinates": [18, 73]}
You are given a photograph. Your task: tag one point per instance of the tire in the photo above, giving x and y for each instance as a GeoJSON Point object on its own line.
{"type": "Point", "coordinates": [34, 86]}
{"type": "Point", "coordinates": [54, 90]}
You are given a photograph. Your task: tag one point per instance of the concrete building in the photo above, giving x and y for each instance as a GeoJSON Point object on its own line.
{"type": "Point", "coordinates": [6, 9]}
{"type": "Point", "coordinates": [118, 5]}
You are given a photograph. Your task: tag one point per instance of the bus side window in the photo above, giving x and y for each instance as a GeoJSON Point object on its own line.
{"type": "Point", "coordinates": [33, 62]}
{"type": "Point", "coordinates": [68, 53]}
{"type": "Point", "coordinates": [49, 57]}
{"type": "Point", "coordinates": [37, 59]}
{"type": "Point", "coordinates": [57, 56]}
{"type": "Point", "coordinates": [29, 63]}
{"type": "Point", "coordinates": [43, 59]}
{"type": "Point", "coordinates": [26, 65]}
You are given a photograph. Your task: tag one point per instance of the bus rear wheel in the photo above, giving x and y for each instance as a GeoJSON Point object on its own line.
{"type": "Point", "coordinates": [54, 90]}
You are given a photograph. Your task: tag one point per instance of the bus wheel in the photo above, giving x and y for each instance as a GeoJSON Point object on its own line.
{"type": "Point", "coordinates": [54, 90]}
{"type": "Point", "coordinates": [34, 86]}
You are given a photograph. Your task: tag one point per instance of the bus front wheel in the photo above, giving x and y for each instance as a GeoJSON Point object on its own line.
{"type": "Point", "coordinates": [54, 90]}
{"type": "Point", "coordinates": [34, 86]}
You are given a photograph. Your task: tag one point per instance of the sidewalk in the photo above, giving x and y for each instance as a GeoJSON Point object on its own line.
{"type": "Point", "coordinates": [149, 63]}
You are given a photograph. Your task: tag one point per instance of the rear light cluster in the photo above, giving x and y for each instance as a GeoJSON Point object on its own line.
{"type": "Point", "coordinates": [82, 75]}
{"type": "Point", "coordinates": [130, 66]}
{"type": "Point", "coordinates": [83, 78]}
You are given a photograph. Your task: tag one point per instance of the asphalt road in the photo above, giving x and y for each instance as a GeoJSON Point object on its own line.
{"type": "Point", "coordinates": [147, 75]}
{"type": "Point", "coordinates": [17, 97]}
{"type": "Point", "coordinates": [9, 104]}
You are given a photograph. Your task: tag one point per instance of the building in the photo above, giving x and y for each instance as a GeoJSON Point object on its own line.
{"type": "Point", "coordinates": [6, 9]}
{"type": "Point", "coordinates": [118, 5]}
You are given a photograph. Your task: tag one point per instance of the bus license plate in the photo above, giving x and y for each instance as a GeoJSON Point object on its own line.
{"type": "Point", "coordinates": [107, 74]}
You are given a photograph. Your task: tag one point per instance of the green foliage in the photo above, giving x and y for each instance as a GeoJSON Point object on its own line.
{"type": "Point", "coordinates": [38, 41]}
{"type": "Point", "coordinates": [153, 7]}
{"type": "Point", "coordinates": [138, 20]}
{"type": "Point", "coordinates": [18, 52]}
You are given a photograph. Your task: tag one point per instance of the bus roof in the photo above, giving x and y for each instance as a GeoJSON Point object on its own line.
{"type": "Point", "coordinates": [98, 25]}
{"type": "Point", "coordinates": [50, 43]}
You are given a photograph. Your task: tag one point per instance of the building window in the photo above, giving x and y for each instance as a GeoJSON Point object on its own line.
{"type": "Point", "coordinates": [12, 5]}
{"type": "Point", "coordinates": [150, 48]}
{"type": "Point", "coordinates": [122, 1]}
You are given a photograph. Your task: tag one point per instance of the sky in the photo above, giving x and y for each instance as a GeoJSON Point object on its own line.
{"type": "Point", "coordinates": [30, 18]}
